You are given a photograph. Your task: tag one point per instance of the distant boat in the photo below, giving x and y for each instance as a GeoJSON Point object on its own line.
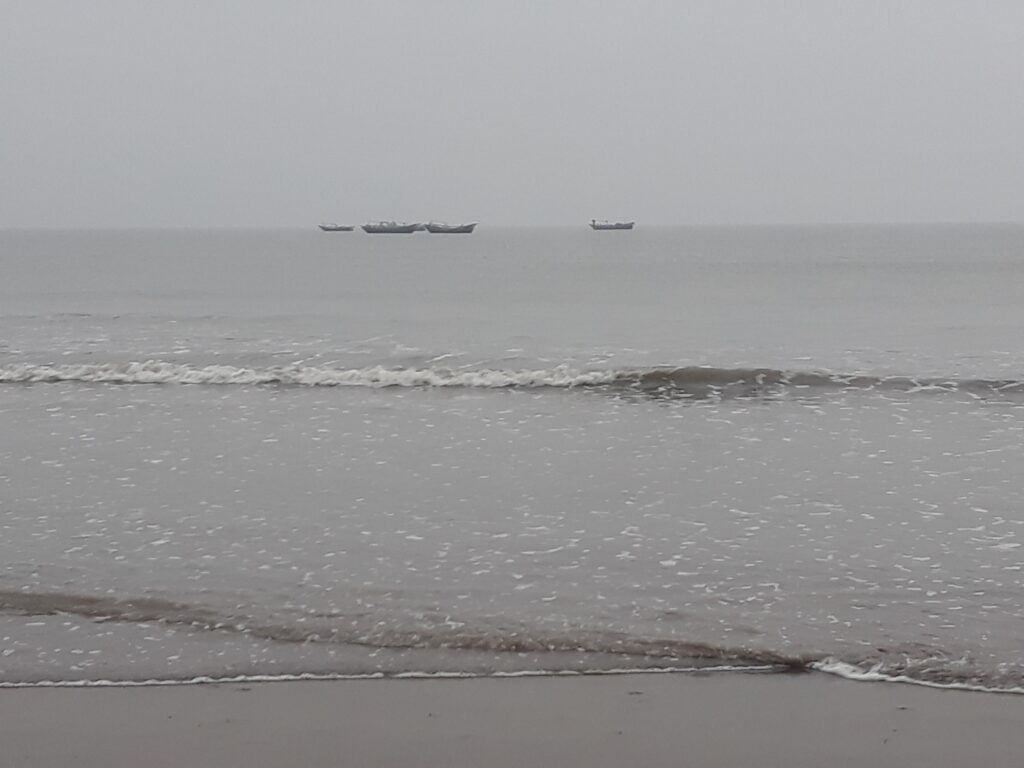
{"type": "Point", "coordinates": [451, 229]}
{"type": "Point", "coordinates": [337, 227]}
{"type": "Point", "coordinates": [390, 228]}
{"type": "Point", "coordinates": [595, 224]}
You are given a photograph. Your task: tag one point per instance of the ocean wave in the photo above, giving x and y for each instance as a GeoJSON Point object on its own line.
{"type": "Point", "coordinates": [635, 653]}
{"type": "Point", "coordinates": [440, 634]}
{"type": "Point", "coordinates": [693, 381]}
{"type": "Point", "coordinates": [159, 372]}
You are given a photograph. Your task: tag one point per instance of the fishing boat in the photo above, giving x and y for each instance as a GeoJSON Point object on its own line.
{"type": "Point", "coordinates": [337, 227]}
{"type": "Point", "coordinates": [451, 229]}
{"type": "Point", "coordinates": [595, 224]}
{"type": "Point", "coordinates": [390, 228]}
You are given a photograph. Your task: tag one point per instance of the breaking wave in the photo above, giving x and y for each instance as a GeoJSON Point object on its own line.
{"type": "Point", "coordinates": [690, 381]}
{"type": "Point", "coordinates": [158, 372]}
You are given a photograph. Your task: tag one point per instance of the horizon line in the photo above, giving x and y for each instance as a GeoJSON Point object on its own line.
{"type": "Point", "coordinates": [581, 225]}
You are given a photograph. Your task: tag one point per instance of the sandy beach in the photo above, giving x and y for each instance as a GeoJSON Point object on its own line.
{"type": "Point", "coordinates": [796, 721]}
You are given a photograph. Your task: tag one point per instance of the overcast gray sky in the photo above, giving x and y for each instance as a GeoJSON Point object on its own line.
{"type": "Point", "coordinates": [287, 113]}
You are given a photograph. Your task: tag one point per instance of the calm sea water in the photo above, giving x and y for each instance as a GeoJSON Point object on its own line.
{"type": "Point", "coordinates": [287, 452]}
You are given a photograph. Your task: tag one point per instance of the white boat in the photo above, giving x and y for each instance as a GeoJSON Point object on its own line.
{"type": "Point", "coordinates": [595, 224]}
{"type": "Point", "coordinates": [337, 227]}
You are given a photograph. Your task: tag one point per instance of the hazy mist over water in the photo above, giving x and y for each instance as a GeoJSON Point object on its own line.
{"type": "Point", "coordinates": [263, 113]}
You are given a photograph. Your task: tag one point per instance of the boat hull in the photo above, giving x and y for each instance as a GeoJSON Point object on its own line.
{"type": "Point", "coordinates": [336, 228]}
{"type": "Point", "coordinates": [611, 225]}
{"type": "Point", "coordinates": [391, 229]}
{"type": "Point", "coordinates": [451, 229]}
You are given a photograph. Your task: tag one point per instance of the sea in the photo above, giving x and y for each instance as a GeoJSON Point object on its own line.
{"type": "Point", "coordinates": [277, 454]}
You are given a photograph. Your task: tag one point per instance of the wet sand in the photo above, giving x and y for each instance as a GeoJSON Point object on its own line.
{"type": "Point", "coordinates": [794, 721]}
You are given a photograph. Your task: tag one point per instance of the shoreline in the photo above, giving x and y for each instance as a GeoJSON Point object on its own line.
{"type": "Point", "coordinates": [694, 719]}
{"type": "Point", "coordinates": [828, 668]}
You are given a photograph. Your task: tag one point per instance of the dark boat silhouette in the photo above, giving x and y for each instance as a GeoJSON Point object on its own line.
{"type": "Point", "coordinates": [451, 229]}
{"type": "Point", "coordinates": [390, 228]}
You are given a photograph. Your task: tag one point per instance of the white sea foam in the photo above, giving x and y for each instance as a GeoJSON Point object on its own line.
{"type": "Point", "coordinates": [828, 666]}
{"type": "Point", "coordinates": [160, 372]}
{"type": "Point", "coordinates": [413, 675]}
{"type": "Point", "coordinates": [875, 674]}
{"type": "Point", "coordinates": [703, 381]}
